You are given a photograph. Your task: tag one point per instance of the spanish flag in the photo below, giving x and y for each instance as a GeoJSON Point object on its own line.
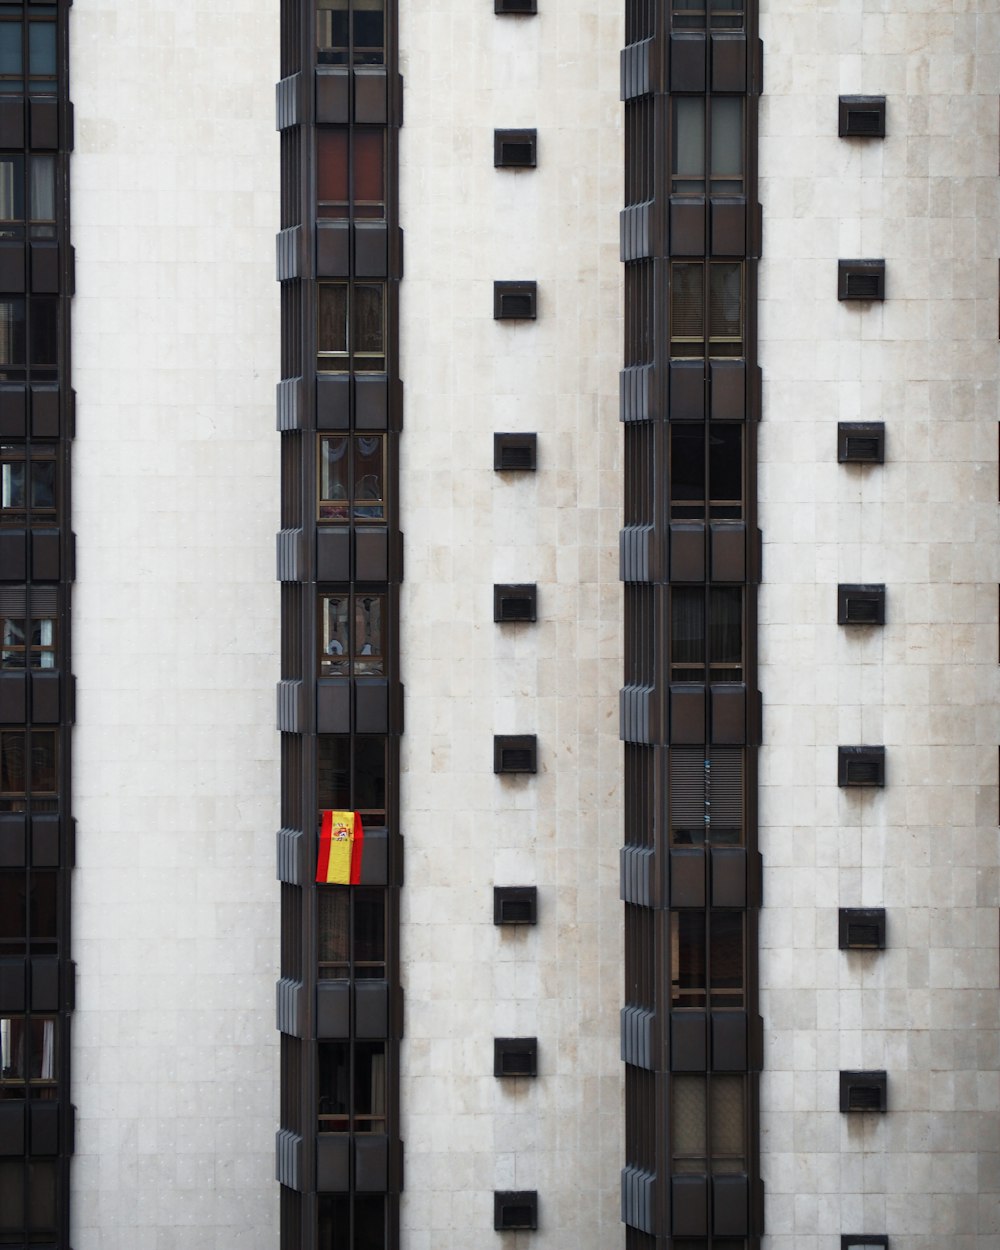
{"type": "Point", "coordinates": [341, 841]}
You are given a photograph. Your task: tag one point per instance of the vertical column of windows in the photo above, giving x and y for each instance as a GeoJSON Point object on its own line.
{"type": "Point", "coordinates": [35, 568]}
{"type": "Point", "coordinates": [690, 397]}
{"type": "Point", "coordinates": [340, 704]}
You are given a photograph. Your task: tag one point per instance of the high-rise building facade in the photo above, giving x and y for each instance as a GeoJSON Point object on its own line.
{"type": "Point", "coordinates": [498, 689]}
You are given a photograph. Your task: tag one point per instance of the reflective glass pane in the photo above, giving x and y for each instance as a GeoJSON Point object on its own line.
{"type": "Point", "coordinates": [725, 629]}
{"type": "Point", "coordinates": [331, 32]}
{"type": "Point", "coordinates": [369, 774]}
{"type": "Point", "coordinates": [43, 188]}
{"type": "Point", "coordinates": [727, 959]}
{"type": "Point", "coordinates": [42, 1195]}
{"type": "Point", "coordinates": [331, 329]}
{"type": "Point", "coordinates": [42, 1050]}
{"type": "Point", "coordinates": [42, 909]}
{"type": "Point", "coordinates": [10, 49]}
{"type": "Point", "coordinates": [689, 1123]}
{"type": "Point", "coordinates": [369, 329]}
{"type": "Point", "coordinates": [725, 303]}
{"type": "Point", "coordinates": [42, 49]}
{"type": "Point", "coordinates": [687, 931]}
{"type": "Point", "coordinates": [334, 1085]}
{"type": "Point", "coordinates": [368, 478]}
{"type": "Point", "coordinates": [687, 310]}
{"type": "Point", "coordinates": [13, 642]}
{"type": "Point", "coordinates": [369, 1224]}
{"type": "Point", "coordinates": [11, 188]}
{"type": "Point", "coordinates": [12, 478]}
{"type": "Point", "coordinates": [369, 929]}
{"type": "Point", "coordinates": [687, 633]}
{"type": "Point", "coordinates": [726, 1099]}
{"type": "Point", "coordinates": [12, 771]}
{"type": "Point", "coordinates": [331, 173]}
{"type": "Point", "coordinates": [687, 469]}
{"type": "Point", "coordinates": [369, 1081]}
{"type": "Point", "coordinates": [11, 332]}
{"type": "Point", "coordinates": [336, 657]}
{"type": "Point", "coordinates": [369, 173]}
{"type": "Point", "coordinates": [43, 761]}
{"type": "Point", "coordinates": [334, 772]}
{"type": "Point", "coordinates": [368, 634]}
{"type": "Point", "coordinates": [689, 144]}
{"type": "Point", "coordinates": [43, 484]}
{"type": "Point", "coordinates": [333, 476]}
{"type": "Point", "coordinates": [13, 1049]}
{"type": "Point", "coordinates": [369, 32]}
{"type": "Point", "coordinates": [43, 337]}
{"type": "Point", "coordinates": [727, 144]}
{"type": "Point", "coordinates": [334, 930]}
{"type": "Point", "coordinates": [725, 469]}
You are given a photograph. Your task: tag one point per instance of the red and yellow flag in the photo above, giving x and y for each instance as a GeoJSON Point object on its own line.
{"type": "Point", "coordinates": [341, 841]}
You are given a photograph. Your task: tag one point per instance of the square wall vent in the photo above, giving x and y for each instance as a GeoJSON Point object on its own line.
{"type": "Point", "coordinates": [515, 753]}
{"type": "Point", "coordinates": [515, 149]}
{"type": "Point", "coordinates": [515, 301]}
{"type": "Point", "coordinates": [861, 279]}
{"type": "Point", "coordinates": [515, 1209]}
{"type": "Point", "coordinates": [861, 442]}
{"type": "Point", "coordinates": [860, 766]}
{"type": "Point", "coordinates": [515, 904]}
{"type": "Point", "coordinates": [514, 453]}
{"type": "Point", "coordinates": [860, 605]}
{"type": "Point", "coordinates": [861, 928]}
{"type": "Point", "coordinates": [862, 117]}
{"type": "Point", "coordinates": [515, 603]}
{"type": "Point", "coordinates": [863, 1091]}
{"type": "Point", "coordinates": [515, 1056]}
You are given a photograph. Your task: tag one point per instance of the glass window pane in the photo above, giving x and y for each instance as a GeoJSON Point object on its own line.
{"type": "Point", "coordinates": [369, 1082]}
{"type": "Point", "coordinates": [42, 1195]}
{"type": "Point", "coordinates": [687, 470]}
{"type": "Point", "coordinates": [725, 470]}
{"type": "Point", "coordinates": [369, 173]}
{"type": "Point", "coordinates": [726, 1098]}
{"type": "Point", "coordinates": [12, 479]}
{"type": "Point", "coordinates": [687, 633]}
{"type": "Point", "coordinates": [689, 144]}
{"type": "Point", "coordinates": [13, 777]}
{"type": "Point", "coordinates": [725, 628]}
{"type": "Point", "coordinates": [335, 611]}
{"type": "Point", "coordinates": [43, 484]}
{"type": "Point", "coordinates": [369, 32]}
{"type": "Point", "coordinates": [369, 331]}
{"type": "Point", "coordinates": [687, 931]}
{"type": "Point", "coordinates": [333, 471]}
{"type": "Point", "coordinates": [10, 49]}
{"type": "Point", "coordinates": [43, 761]}
{"type": "Point", "coordinates": [687, 310]}
{"type": "Point", "coordinates": [334, 772]}
{"type": "Point", "coordinates": [331, 329]}
{"type": "Point", "coordinates": [369, 931]}
{"type": "Point", "coordinates": [331, 173]}
{"type": "Point", "coordinates": [11, 332]}
{"type": "Point", "coordinates": [369, 1224]}
{"type": "Point", "coordinates": [368, 634]}
{"type": "Point", "coordinates": [369, 774]}
{"type": "Point", "coordinates": [369, 478]}
{"type": "Point", "coordinates": [44, 320]}
{"type": "Point", "coordinates": [13, 910]}
{"type": "Point", "coordinates": [725, 304]}
{"type": "Point", "coordinates": [11, 1191]}
{"type": "Point", "coordinates": [13, 1049]}
{"type": "Point", "coordinates": [727, 144]}
{"type": "Point", "coordinates": [331, 32]}
{"type": "Point", "coordinates": [11, 188]}
{"type": "Point", "coordinates": [42, 49]}
{"type": "Point", "coordinates": [726, 936]}
{"type": "Point", "coordinates": [334, 931]}
{"type": "Point", "coordinates": [334, 1086]}
{"type": "Point", "coordinates": [42, 910]}
{"type": "Point", "coordinates": [43, 188]}
{"type": "Point", "coordinates": [689, 1123]}
{"type": "Point", "coordinates": [12, 655]}
{"type": "Point", "coordinates": [42, 1050]}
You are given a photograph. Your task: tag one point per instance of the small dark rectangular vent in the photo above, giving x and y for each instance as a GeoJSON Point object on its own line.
{"type": "Point", "coordinates": [861, 279]}
{"type": "Point", "coordinates": [860, 766]}
{"type": "Point", "coordinates": [515, 1209]}
{"type": "Point", "coordinates": [863, 1091]}
{"type": "Point", "coordinates": [861, 442]}
{"type": "Point", "coordinates": [514, 603]}
{"type": "Point", "coordinates": [515, 1056]}
{"type": "Point", "coordinates": [515, 301]}
{"type": "Point", "coordinates": [515, 6]}
{"type": "Point", "coordinates": [861, 605]}
{"type": "Point", "coordinates": [862, 117]}
{"type": "Point", "coordinates": [861, 928]}
{"type": "Point", "coordinates": [862, 1241]}
{"type": "Point", "coordinates": [515, 753]}
{"type": "Point", "coordinates": [515, 452]}
{"type": "Point", "coordinates": [515, 149]}
{"type": "Point", "coordinates": [515, 904]}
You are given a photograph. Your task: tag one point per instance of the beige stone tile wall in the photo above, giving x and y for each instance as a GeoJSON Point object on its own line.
{"type": "Point", "coordinates": [927, 199]}
{"type": "Point", "coordinates": [466, 527]}
{"type": "Point", "coordinates": [175, 356]}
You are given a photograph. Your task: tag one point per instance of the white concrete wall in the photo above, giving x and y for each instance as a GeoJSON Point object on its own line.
{"type": "Point", "coordinates": [927, 198]}
{"type": "Point", "coordinates": [466, 527]}
{"type": "Point", "coordinates": [175, 346]}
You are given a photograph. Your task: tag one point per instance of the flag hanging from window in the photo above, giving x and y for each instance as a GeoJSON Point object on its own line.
{"type": "Point", "coordinates": [341, 841]}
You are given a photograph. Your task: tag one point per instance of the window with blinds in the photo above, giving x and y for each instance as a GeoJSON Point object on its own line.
{"type": "Point", "coordinates": [708, 1124]}
{"type": "Point", "coordinates": [706, 796]}
{"type": "Point", "coordinates": [706, 308]}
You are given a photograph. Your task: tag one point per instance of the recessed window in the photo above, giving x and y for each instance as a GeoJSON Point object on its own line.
{"type": "Point", "coordinates": [860, 605]}
{"type": "Point", "coordinates": [515, 904]}
{"type": "Point", "coordinates": [515, 149]}
{"type": "Point", "coordinates": [27, 1057]}
{"type": "Point", "coordinates": [350, 32]}
{"type": "Point", "coordinates": [28, 337]}
{"type": "Point", "coordinates": [513, 1209]}
{"type": "Point", "coordinates": [861, 279]}
{"type": "Point", "coordinates": [706, 633]}
{"type": "Point", "coordinates": [352, 478]}
{"type": "Point", "coordinates": [861, 442]}
{"type": "Point", "coordinates": [707, 145]}
{"type": "Point", "coordinates": [515, 753]}
{"type": "Point", "coordinates": [27, 196]}
{"type": "Point", "coordinates": [351, 1087]}
{"type": "Point", "coordinates": [28, 769]}
{"type": "Point", "coordinates": [351, 634]}
{"type": "Point", "coordinates": [862, 117]}
{"type": "Point", "coordinates": [714, 14]}
{"type": "Point", "coordinates": [350, 172]}
{"type": "Point", "coordinates": [706, 796]}
{"type": "Point", "coordinates": [350, 327]}
{"type": "Point", "coordinates": [860, 766]}
{"type": "Point", "coordinates": [351, 932]}
{"type": "Point", "coordinates": [861, 928]}
{"type": "Point", "coordinates": [707, 959]}
{"type": "Point", "coordinates": [28, 916]}
{"type": "Point", "coordinates": [351, 1219]}
{"type": "Point", "coordinates": [706, 471]}
{"type": "Point", "coordinates": [37, 39]}
{"type": "Point", "coordinates": [706, 308]}
{"type": "Point", "coordinates": [351, 772]}
{"type": "Point", "coordinates": [708, 1123]}
{"type": "Point", "coordinates": [515, 301]}
{"type": "Point", "coordinates": [27, 486]}
{"type": "Point", "coordinates": [28, 639]}
{"type": "Point", "coordinates": [513, 452]}
{"type": "Point", "coordinates": [863, 1091]}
